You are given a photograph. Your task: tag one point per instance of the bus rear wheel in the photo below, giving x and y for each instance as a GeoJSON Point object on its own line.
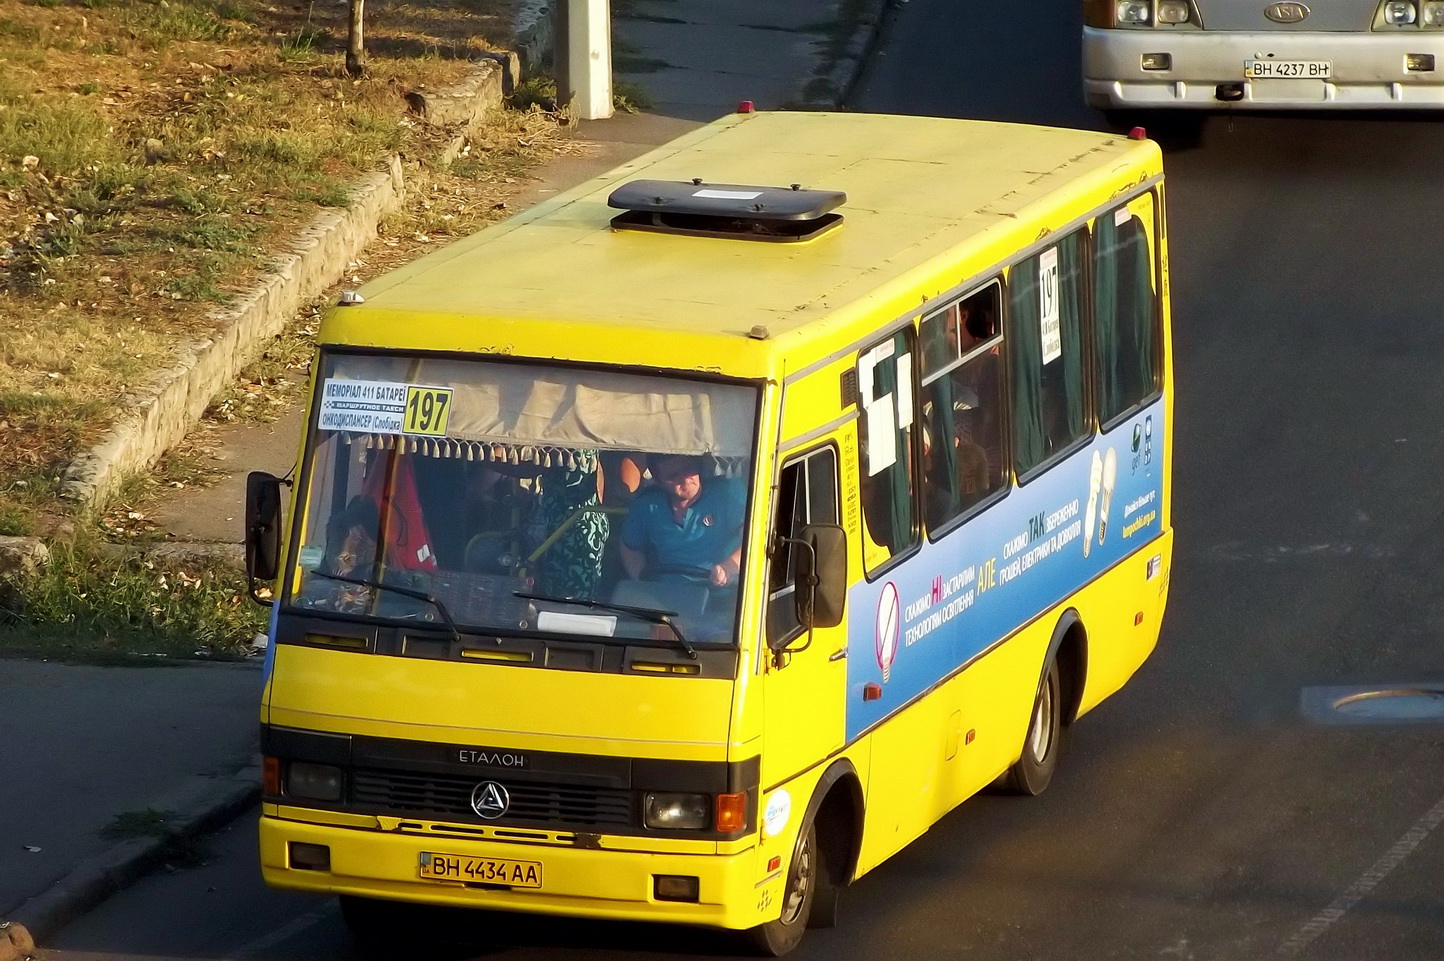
{"type": "Point", "coordinates": [1034, 770]}
{"type": "Point", "coordinates": [777, 937]}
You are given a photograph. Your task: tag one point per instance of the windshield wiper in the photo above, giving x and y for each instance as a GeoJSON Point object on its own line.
{"type": "Point", "coordinates": [651, 615]}
{"type": "Point", "coordinates": [403, 591]}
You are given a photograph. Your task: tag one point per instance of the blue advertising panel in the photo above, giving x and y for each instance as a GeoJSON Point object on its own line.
{"type": "Point", "coordinates": [922, 620]}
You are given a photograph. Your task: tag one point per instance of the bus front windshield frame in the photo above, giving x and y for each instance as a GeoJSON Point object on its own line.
{"type": "Point", "coordinates": [474, 481]}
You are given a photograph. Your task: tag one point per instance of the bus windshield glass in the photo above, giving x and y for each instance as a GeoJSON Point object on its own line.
{"type": "Point", "coordinates": [473, 482]}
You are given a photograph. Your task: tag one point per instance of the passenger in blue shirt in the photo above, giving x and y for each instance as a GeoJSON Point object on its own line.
{"type": "Point", "coordinates": [683, 526]}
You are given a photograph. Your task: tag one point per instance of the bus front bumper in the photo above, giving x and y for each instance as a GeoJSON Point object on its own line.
{"type": "Point", "coordinates": [579, 882]}
{"type": "Point", "coordinates": [1369, 70]}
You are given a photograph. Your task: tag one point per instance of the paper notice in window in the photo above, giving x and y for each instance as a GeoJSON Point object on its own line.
{"type": "Point", "coordinates": [1048, 304]}
{"type": "Point", "coordinates": [881, 435]}
{"type": "Point", "coordinates": [905, 391]}
{"type": "Point", "coordinates": [384, 407]}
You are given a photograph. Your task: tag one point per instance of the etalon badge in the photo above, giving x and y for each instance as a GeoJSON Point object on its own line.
{"type": "Point", "coordinates": [1287, 13]}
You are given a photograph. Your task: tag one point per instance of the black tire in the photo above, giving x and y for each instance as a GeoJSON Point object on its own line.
{"type": "Point", "coordinates": [779, 936]}
{"type": "Point", "coordinates": [1033, 771]}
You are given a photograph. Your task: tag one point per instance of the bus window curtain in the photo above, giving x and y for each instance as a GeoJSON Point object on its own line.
{"type": "Point", "coordinates": [887, 495]}
{"type": "Point", "coordinates": [1105, 319]}
{"type": "Point", "coordinates": [1025, 346]}
{"type": "Point", "coordinates": [1145, 313]}
{"type": "Point", "coordinates": [941, 462]}
{"type": "Point", "coordinates": [1124, 308]}
{"type": "Point", "coordinates": [899, 488]}
{"type": "Point", "coordinates": [1070, 282]}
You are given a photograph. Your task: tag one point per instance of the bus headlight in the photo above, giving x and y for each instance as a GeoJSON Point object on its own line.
{"type": "Point", "coordinates": [677, 811]}
{"type": "Point", "coordinates": [1173, 11]}
{"type": "Point", "coordinates": [1434, 15]}
{"type": "Point", "coordinates": [319, 782]}
{"type": "Point", "coordinates": [1136, 12]}
{"type": "Point", "coordinates": [1400, 13]}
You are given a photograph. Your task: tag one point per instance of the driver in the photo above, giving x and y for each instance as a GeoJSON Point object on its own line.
{"type": "Point", "coordinates": [683, 527]}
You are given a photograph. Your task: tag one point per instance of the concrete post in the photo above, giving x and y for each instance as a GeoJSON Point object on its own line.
{"type": "Point", "coordinates": [589, 49]}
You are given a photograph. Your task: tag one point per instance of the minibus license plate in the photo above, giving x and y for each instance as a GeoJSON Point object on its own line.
{"type": "Point", "coordinates": [457, 867]}
{"type": "Point", "coordinates": [1288, 69]}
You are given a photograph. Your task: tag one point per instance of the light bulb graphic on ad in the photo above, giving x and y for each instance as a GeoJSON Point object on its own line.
{"type": "Point", "coordinates": [888, 629]}
{"type": "Point", "coordinates": [1095, 481]}
{"type": "Point", "coordinates": [1110, 477]}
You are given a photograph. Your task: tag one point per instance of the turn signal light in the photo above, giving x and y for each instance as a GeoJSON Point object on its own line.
{"type": "Point", "coordinates": [731, 813]}
{"type": "Point", "coordinates": [271, 776]}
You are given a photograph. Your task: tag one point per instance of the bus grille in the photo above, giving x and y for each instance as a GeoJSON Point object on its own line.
{"type": "Point", "coordinates": [441, 795]}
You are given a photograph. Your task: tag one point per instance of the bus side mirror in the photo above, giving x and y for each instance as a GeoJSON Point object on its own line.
{"type": "Point", "coordinates": [263, 526]}
{"type": "Point", "coordinates": [821, 575]}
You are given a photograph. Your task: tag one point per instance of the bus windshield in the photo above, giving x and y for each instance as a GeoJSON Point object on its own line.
{"type": "Point", "coordinates": [472, 482]}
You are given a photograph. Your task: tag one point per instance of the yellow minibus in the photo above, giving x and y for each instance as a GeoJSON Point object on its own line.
{"type": "Point", "coordinates": [683, 547]}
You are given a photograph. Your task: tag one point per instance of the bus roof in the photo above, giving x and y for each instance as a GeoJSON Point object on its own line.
{"type": "Point", "coordinates": [918, 188]}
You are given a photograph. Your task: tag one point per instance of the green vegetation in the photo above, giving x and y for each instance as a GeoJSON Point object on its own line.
{"type": "Point", "coordinates": [95, 601]}
{"type": "Point", "coordinates": [148, 823]}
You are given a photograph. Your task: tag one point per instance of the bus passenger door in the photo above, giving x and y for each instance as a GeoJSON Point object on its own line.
{"type": "Point", "coordinates": [806, 682]}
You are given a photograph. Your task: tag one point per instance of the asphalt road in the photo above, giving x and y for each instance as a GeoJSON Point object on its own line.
{"type": "Point", "coordinates": [1208, 811]}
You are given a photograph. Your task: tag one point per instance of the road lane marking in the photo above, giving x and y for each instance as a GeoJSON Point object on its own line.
{"type": "Point", "coordinates": [283, 933]}
{"type": "Point", "coordinates": [1366, 883]}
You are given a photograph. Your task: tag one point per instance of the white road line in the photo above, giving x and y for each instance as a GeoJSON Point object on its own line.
{"type": "Point", "coordinates": [283, 933]}
{"type": "Point", "coordinates": [1366, 883]}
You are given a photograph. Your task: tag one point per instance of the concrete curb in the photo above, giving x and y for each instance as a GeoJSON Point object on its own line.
{"type": "Point", "coordinates": [156, 418]}
{"type": "Point", "coordinates": [159, 416]}
{"type": "Point", "coordinates": [831, 86]}
{"type": "Point", "coordinates": [22, 558]}
{"type": "Point", "coordinates": [203, 806]}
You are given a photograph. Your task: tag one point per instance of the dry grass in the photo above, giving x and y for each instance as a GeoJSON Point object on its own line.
{"type": "Point", "coordinates": [150, 154]}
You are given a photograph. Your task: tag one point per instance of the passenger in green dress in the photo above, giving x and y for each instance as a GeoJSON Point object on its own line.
{"type": "Point", "coordinates": [572, 565]}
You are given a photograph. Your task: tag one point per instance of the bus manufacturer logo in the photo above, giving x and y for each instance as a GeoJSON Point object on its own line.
{"type": "Point", "coordinates": [490, 800]}
{"type": "Point", "coordinates": [1287, 13]}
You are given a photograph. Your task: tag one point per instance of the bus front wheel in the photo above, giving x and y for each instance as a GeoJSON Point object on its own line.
{"type": "Point", "coordinates": [777, 937]}
{"type": "Point", "coordinates": [1032, 772]}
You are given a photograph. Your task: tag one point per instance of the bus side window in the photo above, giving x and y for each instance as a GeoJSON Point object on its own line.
{"type": "Point", "coordinates": [964, 445]}
{"type": "Point", "coordinates": [885, 389]}
{"type": "Point", "coordinates": [807, 494]}
{"type": "Point", "coordinates": [1045, 336]}
{"type": "Point", "coordinates": [1125, 310]}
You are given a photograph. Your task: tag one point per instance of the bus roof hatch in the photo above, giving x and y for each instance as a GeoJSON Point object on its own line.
{"type": "Point", "coordinates": [699, 209]}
